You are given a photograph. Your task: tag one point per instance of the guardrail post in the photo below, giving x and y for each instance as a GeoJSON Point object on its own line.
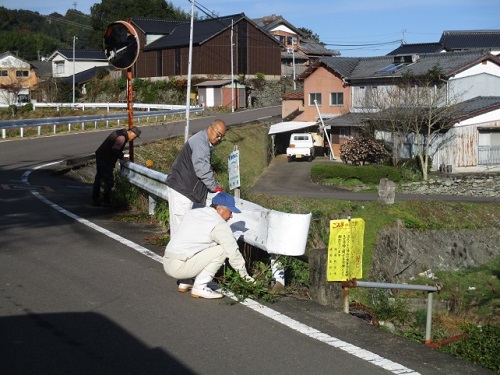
{"type": "Point", "coordinates": [277, 270]}
{"type": "Point", "coordinates": [428, 321]}
{"type": "Point", "coordinates": [152, 204]}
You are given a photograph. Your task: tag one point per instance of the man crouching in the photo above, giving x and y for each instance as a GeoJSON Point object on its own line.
{"type": "Point", "coordinates": [203, 242]}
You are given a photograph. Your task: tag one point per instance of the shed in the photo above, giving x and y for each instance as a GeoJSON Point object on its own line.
{"type": "Point", "coordinates": [218, 93]}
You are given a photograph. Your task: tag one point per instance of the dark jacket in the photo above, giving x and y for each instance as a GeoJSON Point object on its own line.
{"type": "Point", "coordinates": [112, 148]}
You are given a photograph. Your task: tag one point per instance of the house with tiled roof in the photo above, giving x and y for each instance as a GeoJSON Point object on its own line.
{"type": "Point", "coordinates": [165, 48]}
{"type": "Point", "coordinates": [65, 64]}
{"type": "Point", "coordinates": [17, 79]}
{"type": "Point", "coordinates": [419, 48]}
{"type": "Point", "coordinates": [338, 90]}
{"type": "Point", "coordinates": [298, 51]}
{"type": "Point", "coordinates": [455, 40]}
{"type": "Point", "coordinates": [460, 40]}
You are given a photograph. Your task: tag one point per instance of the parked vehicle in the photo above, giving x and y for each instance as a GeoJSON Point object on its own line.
{"type": "Point", "coordinates": [301, 146]}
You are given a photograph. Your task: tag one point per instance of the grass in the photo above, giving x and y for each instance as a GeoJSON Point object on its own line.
{"type": "Point", "coordinates": [252, 141]}
{"type": "Point", "coordinates": [477, 305]}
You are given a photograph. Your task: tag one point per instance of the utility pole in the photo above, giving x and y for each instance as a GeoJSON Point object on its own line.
{"type": "Point", "coordinates": [293, 62]}
{"type": "Point", "coordinates": [188, 99]}
{"type": "Point", "coordinates": [232, 72]}
{"type": "Point", "coordinates": [74, 40]}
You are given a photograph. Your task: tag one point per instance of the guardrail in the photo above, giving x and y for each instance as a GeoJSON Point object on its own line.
{"type": "Point", "coordinates": [21, 124]}
{"type": "Point", "coordinates": [107, 106]}
{"type": "Point", "coordinates": [275, 232]}
{"type": "Point", "coordinates": [430, 289]}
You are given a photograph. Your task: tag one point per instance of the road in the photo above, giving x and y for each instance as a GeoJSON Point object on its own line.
{"type": "Point", "coordinates": [81, 293]}
{"type": "Point", "coordinates": [283, 178]}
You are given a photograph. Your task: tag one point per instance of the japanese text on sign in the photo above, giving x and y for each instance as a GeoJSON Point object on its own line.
{"type": "Point", "coordinates": [345, 250]}
{"type": "Point", "coordinates": [233, 165]}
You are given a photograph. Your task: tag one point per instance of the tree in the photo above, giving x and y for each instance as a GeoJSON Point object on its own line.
{"type": "Point", "coordinates": [413, 112]}
{"type": "Point", "coordinates": [309, 34]}
{"type": "Point", "coordinates": [109, 11]}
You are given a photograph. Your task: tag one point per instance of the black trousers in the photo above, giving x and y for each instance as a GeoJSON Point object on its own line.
{"type": "Point", "coordinates": [104, 174]}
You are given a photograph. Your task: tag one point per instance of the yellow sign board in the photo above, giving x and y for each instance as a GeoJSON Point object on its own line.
{"type": "Point", "coordinates": [345, 250]}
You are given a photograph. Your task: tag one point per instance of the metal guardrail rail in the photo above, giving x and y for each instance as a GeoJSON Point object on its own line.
{"type": "Point", "coordinates": [275, 232]}
{"type": "Point", "coordinates": [69, 120]}
{"type": "Point", "coordinates": [430, 289]}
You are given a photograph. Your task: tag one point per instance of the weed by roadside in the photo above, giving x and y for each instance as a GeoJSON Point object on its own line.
{"type": "Point", "coordinates": [422, 215]}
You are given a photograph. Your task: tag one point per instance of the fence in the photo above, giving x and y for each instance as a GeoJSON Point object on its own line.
{"type": "Point", "coordinates": [148, 115]}
{"type": "Point", "coordinates": [367, 284]}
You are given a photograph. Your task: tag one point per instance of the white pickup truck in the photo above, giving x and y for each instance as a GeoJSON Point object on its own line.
{"type": "Point", "coordinates": [301, 147]}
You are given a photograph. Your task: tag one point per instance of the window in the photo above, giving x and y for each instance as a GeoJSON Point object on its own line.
{"type": "Point", "coordinates": [344, 132]}
{"type": "Point", "coordinates": [337, 98]}
{"type": "Point", "coordinates": [4, 73]}
{"type": "Point", "coordinates": [315, 96]}
{"type": "Point", "coordinates": [60, 67]}
{"type": "Point", "coordinates": [22, 73]}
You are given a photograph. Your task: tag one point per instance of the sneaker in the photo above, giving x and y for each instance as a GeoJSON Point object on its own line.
{"type": "Point", "coordinates": [184, 285]}
{"type": "Point", "coordinates": [205, 292]}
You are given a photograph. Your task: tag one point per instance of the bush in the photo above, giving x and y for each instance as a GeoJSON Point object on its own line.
{"type": "Point", "coordinates": [479, 347]}
{"type": "Point", "coordinates": [368, 174]}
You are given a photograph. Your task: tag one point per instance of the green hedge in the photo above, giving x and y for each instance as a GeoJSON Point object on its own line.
{"type": "Point", "coordinates": [368, 174]}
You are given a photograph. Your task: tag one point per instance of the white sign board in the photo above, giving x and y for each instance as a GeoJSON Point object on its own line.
{"type": "Point", "coordinates": [233, 165]}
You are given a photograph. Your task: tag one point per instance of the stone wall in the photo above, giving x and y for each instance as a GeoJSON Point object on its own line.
{"type": "Point", "coordinates": [482, 185]}
{"type": "Point", "coordinates": [401, 253]}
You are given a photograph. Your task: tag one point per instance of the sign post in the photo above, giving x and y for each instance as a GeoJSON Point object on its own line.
{"type": "Point", "coordinates": [345, 252]}
{"type": "Point", "coordinates": [233, 165]}
{"type": "Point", "coordinates": [121, 47]}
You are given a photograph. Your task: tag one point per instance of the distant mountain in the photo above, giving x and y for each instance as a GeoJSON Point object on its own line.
{"type": "Point", "coordinates": [33, 36]}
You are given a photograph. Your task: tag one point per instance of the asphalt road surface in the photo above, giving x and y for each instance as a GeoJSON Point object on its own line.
{"type": "Point", "coordinates": [81, 293]}
{"type": "Point", "coordinates": [284, 178]}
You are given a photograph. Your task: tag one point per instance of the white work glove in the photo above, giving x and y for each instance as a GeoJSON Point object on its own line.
{"type": "Point", "coordinates": [249, 279]}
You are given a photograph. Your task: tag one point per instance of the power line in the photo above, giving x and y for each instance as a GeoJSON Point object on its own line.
{"type": "Point", "coordinates": [364, 44]}
{"type": "Point", "coordinates": [72, 23]}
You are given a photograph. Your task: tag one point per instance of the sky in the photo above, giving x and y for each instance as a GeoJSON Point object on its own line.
{"type": "Point", "coordinates": [357, 28]}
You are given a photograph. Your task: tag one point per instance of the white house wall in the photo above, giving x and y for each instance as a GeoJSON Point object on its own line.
{"type": "Point", "coordinates": [469, 87]}
{"type": "Point", "coordinates": [492, 117]}
{"type": "Point", "coordinates": [460, 145]}
{"type": "Point", "coordinates": [284, 29]}
{"type": "Point", "coordinates": [489, 67]}
{"type": "Point", "coordinates": [80, 66]}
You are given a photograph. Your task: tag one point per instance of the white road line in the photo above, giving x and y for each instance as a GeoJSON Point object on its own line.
{"type": "Point", "coordinates": [278, 317]}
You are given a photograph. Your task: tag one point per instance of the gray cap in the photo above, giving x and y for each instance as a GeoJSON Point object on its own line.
{"type": "Point", "coordinates": [136, 131]}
